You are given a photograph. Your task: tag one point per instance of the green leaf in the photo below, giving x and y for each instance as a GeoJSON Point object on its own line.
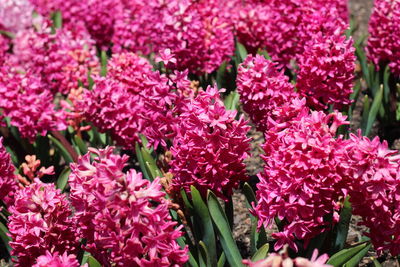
{"type": "Point", "coordinates": [354, 261]}
{"type": "Point", "coordinates": [264, 53]}
{"type": "Point", "coordinates": [64, 153]}
{"type": "Point", "coordinates": [261, 253]}
{"type": "Point", "coordinates": [221, 74]}
{"type": "Point", "coordinates": [376, 263]}
{"type": "Point", "coordinates": [241, 52]}
{"type": "Point", "coordinates": [7, 34]}
{"type": "Point", "coordinates": [141, 162]}
{"type": "Point", "coordinates": [376, 104]}
{"type": "Point", "coordinates": [57, 20]}
{"type": "Point", "coordinates": [186, 201]}
{"type": "Point", "coordinates": [222, 260]}
{"type": "Point", "coordinates": [257, 238]}
{"type": "Point", "coordinates": [221, 221]}
{"type": "Point", "coordinates": [63, 179]}
{"type": "Point", "coordinates": [205, 224]}
{"type": "Point", "coordinates": [231, 102]}
{"type": "Point", "coordinates": [204, 254]}
{"type": "Point", "coordinates": [364, 65]}
{"type": "Point", "coordinates": [342, 228]}
{"type": "Point", "coordinates": [343, 256]}
{"type": "Point", "coordinates": [93, 262]}
{"type": "Point", "coordinates": [4, 237]}
{"type": "Point", "coordinates": [365, 114]}
{"type": "Point", "coordinates": [103, 58]}
{"type": "Point", "coordinates": [150, 164]}
{"type": "Point", "coordinates": [81, 145]}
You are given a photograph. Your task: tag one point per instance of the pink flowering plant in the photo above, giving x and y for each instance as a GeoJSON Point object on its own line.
{"type": "Point", "coordinates": [148, 133]}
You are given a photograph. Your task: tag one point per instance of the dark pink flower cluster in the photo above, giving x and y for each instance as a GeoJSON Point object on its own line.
{"type": "Point", "coordinates": [62, 59]}
{"type": "Point", "coordinates": [283, 260]}
{"type": "Point", "coordinates": [284, 27]}
{"type": "Point", "coordinates": [300, 180]}
{"type": "Point", "coordinates": [57, 260]}
{"type": "Point", "coordinates": [384, 35]}
{"type": "Point", "coordinates": [8, 184]}
{"type": "Point", "coordinates": [210, 147]}
{"type": "Point", "coordinates": [197, 33]}
{"type": "Point", "coordinates": [373, 182]}
{"type": "Point", "coordinates": [29, 107]}
{"type": "Point", "coordinates": [133, 99]}
{"type": "Point", "coordinates": [41, 221]}
{"type": "Point", "coordinates": [123, 217]}
{"type": "Point", "coordinates": [266, 93]}
{"type": "Point", "coordinates": [326, 71]}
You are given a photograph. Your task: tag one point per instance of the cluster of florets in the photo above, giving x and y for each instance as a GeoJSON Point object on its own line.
{"type": "Point", "coordinates": [196, 32]}
{"type": "Point", "coordinates": [326, 71]}
{"type": "Point", "coordinates": [62, 60]}
{"type": "Point", "coordinates": [284, 27]}
{"type": "Point", "coordinates": [384, 30]}
{"type": "Point", "coordinates": [210, 147]}
{"type": "Point", "coordinates": [98, 16]}
{"type": "Point", "coordinates": [15, 15]}
{"type": "Point", "coordinates": [373, 181]}
{"type": "Point", "coordinates": [27, 105]}
{"type": "Point", "coordinates": [123, 217]}
{"type": "Point", "coordinates": [57, 260]}
{"type": "Point", "coordinates": [300, 180]}
{"type": "Point", "coordinates": [266, 93]}
{"type": "Point", "coordinates": [8, 184]}
{"type": "Point", "coordinates": [41, 221]}
{"type": "Point", "coordinates": [133, 99]}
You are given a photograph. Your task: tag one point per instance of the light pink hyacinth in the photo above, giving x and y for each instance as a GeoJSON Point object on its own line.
{"type": "Point", "coordinates": [8, 184]}
{"type": "Point", "coordinates": [124, 218]}
{"type": "Point", "coordinates": [62, 59]}
{"type": "Point", "coordinates": [266, 93]}
{"type": "Point", "coordinates": [384, 35]}
{"type": "Point", "coordinates": [283, 260]}
{"type": "Point", "coordinates": [57, 260]}
{"type": "Point", "coordinates": [300, 182]}
{"type": "Point", "coordinates": [372, 173]}
{"type": "Point", "coordinates": [15, 15]}
{"type": "Point", "coordinates": [326, 71]}
{"type": "Point", "coordinates": [41, 221]}
{"type": "Point", "coordinates": [210, 147]}
{"type": "Point", "coordinates": [29, 107]}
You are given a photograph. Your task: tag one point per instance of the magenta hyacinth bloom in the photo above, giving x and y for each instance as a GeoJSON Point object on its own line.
{"type": "Point", "coordinates": [384, 35]}
{"type": "Point", "coordinates": [210, 147]}
{"type": "Point", "coordinates": [41, 221]}
{"type": "Point", "coordinates": [29, 107]}
{"type": "Point", "coordinates": [62, 60]}
{"type": "Point", "coordinates": [8, 184]}
{"type": "Point", "coordinates": [124, 218]}
{"type": "Point", "coordinates": [198, 34]}
{"type": "Point", "coordinates": [372, 174]}
{"type": "Point", "coordinates": [283, 27]}
{"type": "Point", "coordinates": [266, 93]}
{"type": "Point", "coordinates": [134, 99]}
{"type": "Point", "coordinates": [300, 182]}
{"type": "Point", "coordinates": [326, 71]}
{"type": "Point", "coordinates": [57, 260]}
